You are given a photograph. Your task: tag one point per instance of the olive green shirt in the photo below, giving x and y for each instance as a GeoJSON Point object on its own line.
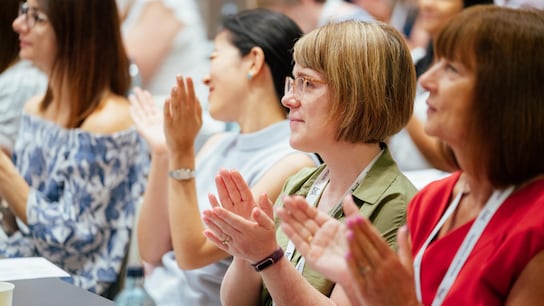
{"type": "Point", "coordinates": [382, 198]}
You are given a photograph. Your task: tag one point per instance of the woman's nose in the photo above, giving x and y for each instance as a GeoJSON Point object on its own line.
{"type": "Point", "coordinates": [289, 101]}
{"type": "Point", "coordinates": [206, 80]}
{"type": "Point", "coordinates": [427, 79]}
{"type": "Point", "coordinates": [19, 24]}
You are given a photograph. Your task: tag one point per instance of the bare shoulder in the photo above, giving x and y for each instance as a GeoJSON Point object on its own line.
{"type": "Point", "coordinates": [32, 106]}
{"type": "Point", "coordinates": [111, 117]}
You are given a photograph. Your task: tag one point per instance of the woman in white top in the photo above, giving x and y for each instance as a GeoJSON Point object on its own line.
{"type": "Point", "coordinates": [251, 58]}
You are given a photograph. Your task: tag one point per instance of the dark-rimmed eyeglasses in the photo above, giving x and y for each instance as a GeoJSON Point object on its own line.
{"type": "Point", "coordinates": [299, 85]}
{"type": "Point", "coordinates": [32, 15]}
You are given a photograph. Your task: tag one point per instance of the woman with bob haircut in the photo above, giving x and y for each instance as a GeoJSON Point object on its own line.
{"type": "Point", "coordinates": [78, 164]}
{"type": "Point", "coordinates": [477, 236]}
{"type": "Point", "coordinates": [353, 87]}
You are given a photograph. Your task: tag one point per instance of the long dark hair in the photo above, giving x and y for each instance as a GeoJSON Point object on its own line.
{"type": "Point", "coordinates": [90, 56]}
{"type": "Point", "coordinates": [273, 32]}
{"type": "Point", "coordinates": [9, 41]}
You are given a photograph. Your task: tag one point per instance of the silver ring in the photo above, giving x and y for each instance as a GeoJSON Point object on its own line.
{"type": "Point", "coordinates": [226, 241]}
{"type": "Point", "coordinates": [363, 270]}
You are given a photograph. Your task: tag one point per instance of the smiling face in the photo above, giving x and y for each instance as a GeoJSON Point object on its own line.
{"type": "Point", "coordinates": [451, 89]}
{"type": "Point", "coordinates": [227, 79]}
{"type": "Point", "coordinates": [435, 13]}
{"type": "Point", "coordinates": [38, 43]}
{"type": "Point", "coordinates": [312, 128]}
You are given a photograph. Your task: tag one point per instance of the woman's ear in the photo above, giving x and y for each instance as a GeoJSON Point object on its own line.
{"type": "Point", "coordinates": [257, 62]}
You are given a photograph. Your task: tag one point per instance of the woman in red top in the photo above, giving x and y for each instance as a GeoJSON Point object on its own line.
{"type": "Point", "coordinates": [477, 237]}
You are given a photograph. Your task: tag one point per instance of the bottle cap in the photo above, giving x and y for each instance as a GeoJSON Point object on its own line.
{"type": "Point", "coordinates": [135, 271]}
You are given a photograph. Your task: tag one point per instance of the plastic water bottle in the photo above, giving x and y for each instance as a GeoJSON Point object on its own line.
{"type": "Point", "coordinates": [133, 293]}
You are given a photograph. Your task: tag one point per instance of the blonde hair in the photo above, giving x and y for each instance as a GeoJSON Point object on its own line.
{"type": "Point", "coordinates": [370, 75]}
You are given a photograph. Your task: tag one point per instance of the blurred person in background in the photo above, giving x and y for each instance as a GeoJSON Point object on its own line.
{"type": "Point", "coordinates": [412, 148]}
{"type": "Point", "coordinates": [310, 14]}
{"type": "Point", "coordinates": [78, 163]}
{"type": "Point", "coordinates": [19, 80]}
{"type": "Point", "coordinates": [166, 38]}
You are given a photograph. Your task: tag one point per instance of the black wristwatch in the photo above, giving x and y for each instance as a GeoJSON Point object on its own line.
{"type": "Point", "coordinates": [269, 260]}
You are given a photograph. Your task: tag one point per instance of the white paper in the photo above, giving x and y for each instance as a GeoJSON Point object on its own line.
{"type": "Point", "coordinates": [28, 268]}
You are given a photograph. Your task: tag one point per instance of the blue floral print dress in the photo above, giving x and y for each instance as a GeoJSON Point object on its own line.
{"type": "Point", "coordinates": [81, 205]}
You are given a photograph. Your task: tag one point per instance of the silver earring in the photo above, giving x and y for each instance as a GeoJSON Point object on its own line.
{"type": "Point", "coordinates": [249, 75]}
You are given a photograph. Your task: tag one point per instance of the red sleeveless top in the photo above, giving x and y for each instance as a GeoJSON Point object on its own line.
{"type": "Point", "coordinates": [512, 238]}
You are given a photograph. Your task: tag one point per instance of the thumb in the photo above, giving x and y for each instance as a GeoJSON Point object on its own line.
{"type": "Point", "coordinates": [213, 200]}
{"type": "Point", "coordinates": [266, 205]}
{"type": "Point", "coordinates": [349, 206]}
{"type": "Point", "coordinates": [263, 218]}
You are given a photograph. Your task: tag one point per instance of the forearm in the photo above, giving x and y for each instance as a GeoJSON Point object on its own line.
{"type": "Point", "coordinates": [153, 224]}
{"type": "Point", "coordinates": [427, 145]}
{"type": "Point", "coordinates": [156, 23]}
{"type": "Point", "coordinates": [241, 285]}
{"type": "Point", "coordinates": [13, 188]}
{"type": "Point", "coordinates": [191, 247]}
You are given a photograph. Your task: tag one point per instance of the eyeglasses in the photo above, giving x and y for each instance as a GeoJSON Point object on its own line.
{"type": "Point", "coordinates": [32, 15]}
{"type": "Point", "coordinates": [299, 85]}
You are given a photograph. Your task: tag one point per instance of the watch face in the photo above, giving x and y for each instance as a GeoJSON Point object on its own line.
{"type": "Point", "coordinates": [270, 260]}
{"type": "Point", "coordinates": [265, 264]}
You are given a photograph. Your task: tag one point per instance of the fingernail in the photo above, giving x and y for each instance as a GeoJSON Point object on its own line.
{"type": "Point", "coordinates": [348, 256]}
{"type": "Point", "coordinates": [349, 235]}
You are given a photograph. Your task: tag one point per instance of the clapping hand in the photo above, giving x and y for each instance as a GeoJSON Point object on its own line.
{"type": "Point", "coordinates": [317, 236]}
{"type": "Point", "coordinates": [148, 120]}
{"type": "Point", "coordinates": [182, 116]}
{"type": "Point", "coordinates": [234, 193]}
{"type": "Point", "coordinates": [382, 276]}
{"type": "Point", "coordinates": [239, 225]}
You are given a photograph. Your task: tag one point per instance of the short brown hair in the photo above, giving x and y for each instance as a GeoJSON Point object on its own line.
{"type": "Point", "coordinates": [370, 74]}
{"type": "Point", "coordinates": [504, 48]}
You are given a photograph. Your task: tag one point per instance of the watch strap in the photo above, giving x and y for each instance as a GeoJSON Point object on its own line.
{"type": "Point", "coordinates": [269, 260]}
{"type": "Point", "coordinates": [182, 174]}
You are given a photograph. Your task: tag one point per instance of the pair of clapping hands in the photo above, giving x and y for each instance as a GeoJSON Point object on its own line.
{"type": "Point", "coordinates": [353, 255]}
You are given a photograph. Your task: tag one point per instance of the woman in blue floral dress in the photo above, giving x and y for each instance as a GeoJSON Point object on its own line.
{"type": "Point", "coordinates": [78, 164]}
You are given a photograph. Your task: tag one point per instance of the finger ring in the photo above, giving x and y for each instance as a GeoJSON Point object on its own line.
{"type": "Point", "coordinates": [309, 239]}
{"type": "Point", "coordinates": [226, 241]}
{"type": "Point", "coordinates": [363, 270]}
